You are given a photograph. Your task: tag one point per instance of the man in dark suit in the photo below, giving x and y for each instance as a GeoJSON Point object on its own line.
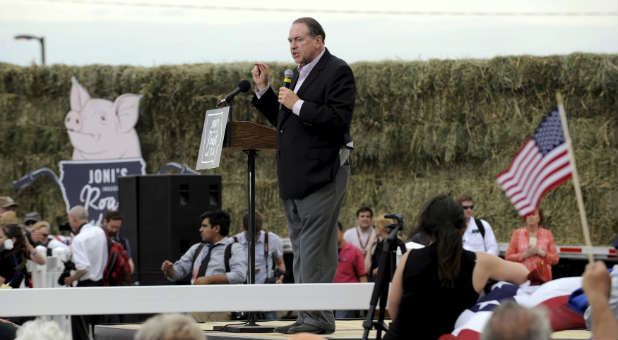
{"type": "Point", "coordinates": [313, 144]}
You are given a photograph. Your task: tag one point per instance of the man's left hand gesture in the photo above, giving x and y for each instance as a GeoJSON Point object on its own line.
{"type": "Point", "coordinates": [287, 97]}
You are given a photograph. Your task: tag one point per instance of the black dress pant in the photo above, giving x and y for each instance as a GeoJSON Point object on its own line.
{"type": "Point", "coordinates": [82, 325]}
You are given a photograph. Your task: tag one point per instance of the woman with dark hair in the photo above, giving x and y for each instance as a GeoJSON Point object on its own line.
{"type": "Point", "coordinates": [433, 285]}
{"type": "Point", "coordinates": [14, 251]}
{"type": "Point", "coordinates": [534, 246]}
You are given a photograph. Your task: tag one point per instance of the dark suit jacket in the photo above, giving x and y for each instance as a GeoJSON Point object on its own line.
{"type": "Point", "coordinates": [308, 145]}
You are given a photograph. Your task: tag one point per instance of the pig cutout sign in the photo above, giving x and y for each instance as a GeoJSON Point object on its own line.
{"type": "Point", "coordinates": [105, 148]}
{"type": "Point", "coordinates": [101, 129]}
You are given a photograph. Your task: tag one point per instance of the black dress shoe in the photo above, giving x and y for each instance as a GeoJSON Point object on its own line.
{"type": "Point", "coordinates": [286, 329]}
{"type": "Point", "coordinates": [307, 328]}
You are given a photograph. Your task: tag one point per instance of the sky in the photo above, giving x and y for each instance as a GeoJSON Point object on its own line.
{"type": "Point", "coordinates": [160, 32]}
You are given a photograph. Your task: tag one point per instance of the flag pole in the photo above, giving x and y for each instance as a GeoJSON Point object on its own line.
{"type": "Point", "coordinates": [578, 191]}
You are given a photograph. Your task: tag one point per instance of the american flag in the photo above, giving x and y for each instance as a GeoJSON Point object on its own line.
{"type": "Point", "coordinates": [540, 165]}
{"type": "Point", "coordinates": [553, 295]}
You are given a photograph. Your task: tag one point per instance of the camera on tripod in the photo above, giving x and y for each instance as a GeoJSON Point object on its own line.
{"type": "Point", "coordinates": [386, 269]}
{"type": "Point", "coordinates": [398, 225]}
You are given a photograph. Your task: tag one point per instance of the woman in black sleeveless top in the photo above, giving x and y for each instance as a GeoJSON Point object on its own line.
{"type": "Point", "coordinates": [433, 285]}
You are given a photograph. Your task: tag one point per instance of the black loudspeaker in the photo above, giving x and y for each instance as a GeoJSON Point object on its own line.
{"type": "Point", "coordinates": [161, 218]}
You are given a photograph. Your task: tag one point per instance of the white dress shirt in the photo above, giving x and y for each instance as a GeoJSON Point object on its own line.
{"type": "Point", "coordinates": [275, 249]}
{"type": "Point", "coordinates": [90, 252]}
{"type": "Point", "coordinates": [474, 241]}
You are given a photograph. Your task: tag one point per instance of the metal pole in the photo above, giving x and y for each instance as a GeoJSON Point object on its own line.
{"type": "Point", "coordinates": [252, 234]}
{"type": "Point", "coordinates": [251, 326]}
{"type": "Point", "coordinates": [42, 41]}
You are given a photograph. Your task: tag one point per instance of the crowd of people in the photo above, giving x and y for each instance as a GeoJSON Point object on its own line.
{"type": "Point", "coordinates": [454, 255]}
{"type": "Point", "coordinates": [443, 272]}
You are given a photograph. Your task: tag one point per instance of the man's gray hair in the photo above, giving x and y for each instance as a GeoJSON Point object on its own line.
{"type": "Point", "coordinates": [79, 212]}
{"type": "Point", "coordinates": [170, 326]}
{"type": "Point", "coordinates": [313, 25]}
{"type": "Point", "coordinates": [513, 321]}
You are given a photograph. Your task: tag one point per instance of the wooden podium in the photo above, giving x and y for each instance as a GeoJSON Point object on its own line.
{"type": "Point", "coordinates": [249, 137]}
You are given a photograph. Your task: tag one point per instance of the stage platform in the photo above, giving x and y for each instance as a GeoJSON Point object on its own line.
{"type": "Point", "coordinates": [346, 329]}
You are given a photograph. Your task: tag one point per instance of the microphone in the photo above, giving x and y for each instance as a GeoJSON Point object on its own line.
{"type": "Point", "coordinates": [243, 86]}
{"type": "Point", "coordinates": [287, 81]}
{"type": "Point", "coordinates": [287, 78]}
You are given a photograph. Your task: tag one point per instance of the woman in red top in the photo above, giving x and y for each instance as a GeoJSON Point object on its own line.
{"type": "Point", "coordinates": [534, 246]}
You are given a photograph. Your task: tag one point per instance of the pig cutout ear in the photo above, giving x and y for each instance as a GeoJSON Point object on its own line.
{"type": "Point", "coordinates": [126, 108]}
{"type": "Point", "coordinates": [79, 96]}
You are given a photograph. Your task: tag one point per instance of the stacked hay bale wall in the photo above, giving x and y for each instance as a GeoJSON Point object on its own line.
{"type": "Point", "coordinates": [420, 128]}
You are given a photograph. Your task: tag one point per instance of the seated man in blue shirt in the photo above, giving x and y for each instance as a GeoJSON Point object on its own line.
{"type": "Point", "coordinates": [269, 263]}
{"type": "Point", "coordinates": [206, 262]}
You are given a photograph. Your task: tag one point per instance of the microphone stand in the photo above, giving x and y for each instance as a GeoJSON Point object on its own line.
{"type": "Point", "coordinates": [250, 326]}
{"type": "Point", "coordinates": [380, 289]}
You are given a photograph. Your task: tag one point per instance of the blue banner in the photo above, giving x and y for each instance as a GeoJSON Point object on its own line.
{"type": "Point", "coordinates": [94, 184]}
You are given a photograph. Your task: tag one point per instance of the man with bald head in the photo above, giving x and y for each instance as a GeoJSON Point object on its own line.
{"type": "Point", "coordinates": [89, 248]}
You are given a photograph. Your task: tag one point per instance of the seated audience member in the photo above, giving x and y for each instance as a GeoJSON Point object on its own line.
{"type": "Point", "coordinates": [534, 246]}
{"type": "Point", "coordinates": [372, 258]}
{"type": "Point", "coordinates": [205, 262]}
{"type": "Point", "coordinates": [269, 263]}
{"type": "Point", "coordinates": [15, 250]}
{"type": "Point", "coordinates": [513, 321]}
{"type": "Point", "coordinates": [39, 329]}
{"type": "Point", "coordinates": [433, 285]}
{"type": "Point", "coordinates": [350, 269]}
{"type": "Point", "coordinates": [597, 285]}
{"type": "Point", "coordinates": [170, 327]}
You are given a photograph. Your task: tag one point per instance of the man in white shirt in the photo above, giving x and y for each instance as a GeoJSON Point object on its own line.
{"type": "Point", "coordinates": [268, 251]}
{"type": "Point", "coordinates": [89, 249]}
{"type": "Point", "coordinates": [269, 263]}
{"type": "Point", "coordinates": [361, 235]}
{"type": "Point", "coordinates": [477, 237]}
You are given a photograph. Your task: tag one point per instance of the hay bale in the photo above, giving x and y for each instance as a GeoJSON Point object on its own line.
{"type": "Point", "coordinates": [420, 128]}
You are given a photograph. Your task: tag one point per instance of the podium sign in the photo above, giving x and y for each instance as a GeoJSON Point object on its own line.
{"type": "Point", "coordinates": [212, 138]}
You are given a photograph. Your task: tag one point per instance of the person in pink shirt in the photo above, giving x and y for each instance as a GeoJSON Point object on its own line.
{"type": "Point", "coordinates": [534, 246]}
{"type": "Point", "coordinates": [350, 268]}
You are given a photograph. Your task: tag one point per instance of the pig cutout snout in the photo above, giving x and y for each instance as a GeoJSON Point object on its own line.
{"type": "Point", "coordinates": [100, 129]}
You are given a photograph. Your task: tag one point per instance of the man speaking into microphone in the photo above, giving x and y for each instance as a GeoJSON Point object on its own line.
{"type": "Point", "coordinates": [312, 117]}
